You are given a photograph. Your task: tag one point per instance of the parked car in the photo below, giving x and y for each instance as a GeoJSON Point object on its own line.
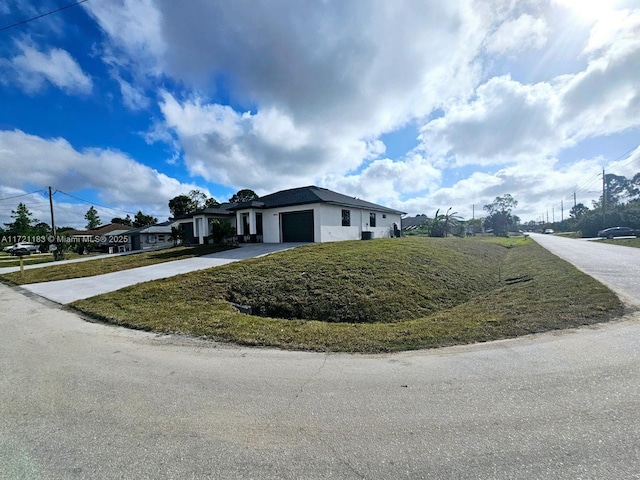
{"type": "Point", "coordinates": [8, 249]}
{"type": "Point", "coordinates": [548, 231]}
{"type": "Point", "coordinates": [618, 232]}
{"type": "Point", "coordinates": [24, 248]}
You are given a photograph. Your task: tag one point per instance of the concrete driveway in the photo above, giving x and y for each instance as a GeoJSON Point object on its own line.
{"type": "Point", "coordinates": [81, 400]}
{"type": "Point", "coordinates": [67, 291]}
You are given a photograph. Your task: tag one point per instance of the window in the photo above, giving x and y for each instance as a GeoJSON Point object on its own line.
{"type": "Point", "coordinates": [151, 239]}
{"type": "Point", "coordinates": [160, 238]}
{"type": "Point", "coordinates": [346, 218]}
{"type": "Point", "coordinates": [245, 224]}
{"type": "Point", "coordinates": [372, 219]}
{"type": "Point", "coordinates": [259, 223]}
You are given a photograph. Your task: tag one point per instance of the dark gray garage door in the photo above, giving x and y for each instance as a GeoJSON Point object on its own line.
{"type": "Point", "coordinates": [297, 226]}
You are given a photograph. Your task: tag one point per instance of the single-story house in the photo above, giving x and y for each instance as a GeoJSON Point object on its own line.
{"type": "Point", "coordinates": [151, 237]}
{"type": "Point", "coordinates": [313, 214]}
{"type": "Point", "coordinates": [110, 237]}
{"type": "Point", "coordinates": [413, 223]}
{"type": "Point", "coordinates": [196, 226]}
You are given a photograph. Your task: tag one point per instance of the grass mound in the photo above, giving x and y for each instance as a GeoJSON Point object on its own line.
{"type": "Point", "coordinates": [511, 286]}
{"type": "Point", "coordinates": [383, 281]}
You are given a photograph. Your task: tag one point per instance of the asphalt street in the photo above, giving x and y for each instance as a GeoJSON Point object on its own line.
{"type": "Point", "coordinates": [616, 266]}
{"type": "Point", "coordinates": [82, 400]}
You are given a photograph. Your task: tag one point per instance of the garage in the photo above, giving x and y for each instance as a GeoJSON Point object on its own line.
{"type": "Point", "coordinates": [297, 226]}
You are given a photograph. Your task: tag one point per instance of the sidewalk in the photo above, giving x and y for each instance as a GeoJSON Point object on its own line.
{"type": "Point", "coordinates": [88, 258]}
{"type": "Point", "coordinates": [67, 291]}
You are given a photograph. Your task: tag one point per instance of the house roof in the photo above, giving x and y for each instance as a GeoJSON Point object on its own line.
{"type": "Point", "coordinates": [164, 227]}
{"type": "Point", "coordinates": [414, 222]}
{"type": "Point", "coordinates": [102, 230]}
{"type": "Point", "coordinates": [308, 195]}
{"type": "Point", "coordinates": [222, 209]}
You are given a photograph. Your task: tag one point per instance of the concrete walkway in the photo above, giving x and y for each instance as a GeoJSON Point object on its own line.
{"type": "Point", "coordinates": [67, 291]}
{"type": "Point", "coordinates": [86, 258]}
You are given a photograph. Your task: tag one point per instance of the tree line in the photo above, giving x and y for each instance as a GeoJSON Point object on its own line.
{"type": "Point", "coordinates": [618, 206]}
{"type": "Point", "coordinates": [24, 223]}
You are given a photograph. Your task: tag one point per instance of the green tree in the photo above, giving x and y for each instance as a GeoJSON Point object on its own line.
{"type": "Point", "coordinates": [578, 210]}
{"type": "Point", "coordinates": [244, 195]}
{"type": "Point", "coordinates": [443, 224]}
{"type": "Point", "coordinates": [198, 199]}
{"type": "Point", "coordinates": [176, 235]}
{"type": "Point", "coordinates": [23, 221]}
{"type": "Point", "coordinates": [220, 229]}
{"type": "Point", "coordinates": [499, 217]}
{"type": "Point", "coordinates": [189, 203]}
{"type": "Point", "coordinates": [142, 220]}
{"type": "Point", "coordinates": [181, 205]}
{"type": "Point", "coordinates": [123, 221]}
{"type": "Point", "coordinates": [93, 220]}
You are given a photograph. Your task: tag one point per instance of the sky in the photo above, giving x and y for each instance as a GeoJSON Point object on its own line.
{"type": "Point", "coordinates": [415, 105]}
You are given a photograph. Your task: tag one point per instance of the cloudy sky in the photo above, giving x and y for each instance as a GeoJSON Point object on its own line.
{"type": "Point", "coordinates": [417, 105]}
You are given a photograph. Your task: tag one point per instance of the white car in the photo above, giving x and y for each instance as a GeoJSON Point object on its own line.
{"type": "Point", "coordinates": [24, 248]}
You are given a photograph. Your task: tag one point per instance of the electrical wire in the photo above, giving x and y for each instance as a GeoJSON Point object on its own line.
{"type": "Point", "coordinates": [22, 22]}
{"type": "Point", "coordinates": [21, 195]}
{"type": "Point", "coordinates": [94, 204]}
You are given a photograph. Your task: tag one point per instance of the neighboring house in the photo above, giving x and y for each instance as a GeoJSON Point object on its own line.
{"type": "Point", "coordinates": [413, 223]}
{"type": "Point", "coordinates": [106, 237]}
{"type": "Point", "coordinates": [195, 226]}
{"type": "Point", "coordinates": [312, 214]}
{"type": "Point", "coordinates": [151, 237]}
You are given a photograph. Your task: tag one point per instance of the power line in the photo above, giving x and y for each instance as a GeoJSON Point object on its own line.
{"type": "Point", "coordinates": [22, 22]}
{"type": "Point", "coordinates": [94, 204]}
{"type": "Point", "coordinates": [21, 195]}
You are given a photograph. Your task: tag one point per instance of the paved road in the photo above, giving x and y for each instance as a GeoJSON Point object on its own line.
{"type": "Point", "coordinates": [616, 266]}
{"type": "Point", "coordinates": [67, 291]}
{"type": "Point", "coordinates": [81, 400]}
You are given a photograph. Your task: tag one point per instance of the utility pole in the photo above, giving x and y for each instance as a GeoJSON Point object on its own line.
{"type": "Point", "coordinates": [604, 198]}
{"type": "Point", "coordinates": [53, 223]}
{"type": "Point", "coordinates": [562, 211]}
{"type": "Point", "coordinates": [473, 211]}
{"type": "Point", "coordinates": [574, 200]}
{"type": "Point", "coordinates": [553, 214]}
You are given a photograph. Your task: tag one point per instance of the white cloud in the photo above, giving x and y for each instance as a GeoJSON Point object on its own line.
{"type": "Point", "coordinates": [123, 182]}
{"type": "Point", "coordinates": [33, 68]}
{"type": "Point", "coordinates": [386, 181]}
{"type": "Point", "coordinates": [514, 36]}
{"type": "Point", "coordinates": [506, 121]}
{"type": "Point", "coordinates": [133, 97]}
{"type": "Point", "coordinates": [262, 151]}
{"type": "Point", "coordinates": [134, 28]}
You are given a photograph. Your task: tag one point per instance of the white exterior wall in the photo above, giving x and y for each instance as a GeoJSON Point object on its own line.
{"type": "Point", "coordinates": [327, 222]}
{"type": "Point", "coordinates": [150, 241]}
{"type": "Point", "coordinates": [332, 229]}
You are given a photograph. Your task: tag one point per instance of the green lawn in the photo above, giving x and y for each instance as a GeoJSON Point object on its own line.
{"type": "Point", "coordinates": [627, 242]}
{"type": "Point", "coordinates": [376, 296]}
{"type": "Point", "coordinates": [7, 260]}
{"type": "Point", "coordinates": [104, 265]}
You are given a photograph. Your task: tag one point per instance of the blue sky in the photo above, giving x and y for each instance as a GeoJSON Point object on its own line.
{"type": "Point", "coordinates": [417, 105]}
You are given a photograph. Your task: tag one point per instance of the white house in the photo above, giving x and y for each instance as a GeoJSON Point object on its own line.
{"type": "Point", "coordinates": [196, 225]}
{"type": "Point", "coordinates": [151, 237]}
{"type": "Point", "coordinates": [313, 214]}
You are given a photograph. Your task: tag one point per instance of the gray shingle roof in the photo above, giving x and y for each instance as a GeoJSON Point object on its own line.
{"type": "Point", "coordinates": [311, 194]}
